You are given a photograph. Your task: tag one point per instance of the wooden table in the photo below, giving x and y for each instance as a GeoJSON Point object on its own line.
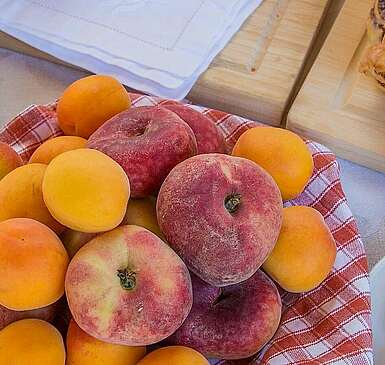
{"type": "Point", "coordinates": [337, 105]}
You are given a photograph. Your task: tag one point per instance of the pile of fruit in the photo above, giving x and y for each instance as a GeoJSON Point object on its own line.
{"type": "Point", "coordinates": [136, 233]}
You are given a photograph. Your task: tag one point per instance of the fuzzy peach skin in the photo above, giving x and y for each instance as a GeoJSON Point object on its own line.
{"type": "Point", "coordinates": [234, 322]}
{"type": "Point", "coordinates": [83, 349]}
{"type": "Point", "coordinates": [33, 263]}
{"type": "Point", "coordinates": [305, 251]}
{"type": "Point", "coordinates": [209, 137]}
{"type": "Point", "coordinates": [142, 212]}
{"type": "Point", "coordinates": [8, 316]}
{"type": "Point", "coordinates": [147, 142]}
{"type": "Point", "coordinates": [128, 287]}
{"type": "Point", "coordinates": [86, 190]}
{"type": "Point", "coordinates": [9, 159]}
{"type": "Point", "coordinates": [53, 147]}
{"type": "Point", "coordinates": [174, 355]}
{"type": "Point", "coordinates": [21, 196]}
{"type": "Point", "coordinates": [222, 215]}
{"type": "Point", "coordinates": [32, 342]}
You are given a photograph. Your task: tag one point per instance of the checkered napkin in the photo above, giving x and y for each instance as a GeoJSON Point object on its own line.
{"type": "Point", "coordinates": [329, 325]}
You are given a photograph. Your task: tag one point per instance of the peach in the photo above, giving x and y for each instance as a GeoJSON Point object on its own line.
{"type": "Point", "coordinates": [32, 342]}
{"type": "Point", "coordinates": [128, 287]}
{"type": "Point", "coordinates": [74, 240]}
{"type": "Point", "coordinates": [282, 153]}
{"type": "Point", "coordinates": [174, 355]}
{"type": "Point", "coordinates": [87, 103]}
{"type": "Point", "coordinates": [86, 190]}
{"type": "Point", "coordinates": [147, 142]}
{"type": "Point", "coordinates": [53, 147]}
{"type": "Point", "coordinates": [234, 322]}
{"type": "Point", "coordinates": [209, 137]}
{"type": "Point", "coordinates": [142, 212]}
{"type": "Point", "coordinates": [33, 263]}
{"type": "Point", "coordinates": [21, 196]}
{"type": "Point", "coordinates": [305, 251]}
{"type": "Point", "coordinates": [9, 159]}
{"type": "Point", "coordinates": [222, 215]}
{"type": "Point", "coordinates": [8, 316]}
{"type": "Point", "coordinates": [82, 349]}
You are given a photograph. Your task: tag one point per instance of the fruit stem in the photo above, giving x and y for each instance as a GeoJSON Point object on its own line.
{"type": "Point", "coordinates": [127, 279]}
{"type": "Point", "coordinates": [232, 202]}
{"type": "Point", "coordinates": [221, 296]}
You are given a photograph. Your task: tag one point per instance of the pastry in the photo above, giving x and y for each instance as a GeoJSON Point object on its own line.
{"type": "Point", "coordinates": [376, 22]}
{"type": "Point", "coordinates": [373, 63]}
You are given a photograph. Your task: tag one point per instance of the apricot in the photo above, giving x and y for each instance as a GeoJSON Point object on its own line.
{"type": "Point", "coordinates": [174, 355]}
{"type": "Point", "coordinates": [33, 264]}
{"type": "Point", "coordinates": [21, 196]}
{"type": "Point", "coordinates": [32, 342]}
{"type": "Point", "coordinates": [86, 190]}
{"type": "Point", "coordinates": [73, 241]}
{"type": "Point", "coordinates": [304, 253]}
{"type": "Point", "coordinates": [87, 103]}
{"type": "Point", "coordinates": [142, 212]}
{"type": "Point", "coordinates": [283, 154]}
{"type": "Point", "coordinates": [53, 147]}
{"type": "Point", "coordinates": [82, 349]}
{"type": "Point", "coordinates": [9, 159]}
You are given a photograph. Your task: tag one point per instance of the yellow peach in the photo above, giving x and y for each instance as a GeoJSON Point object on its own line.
{"type": "Point", "coordinates": [53, 147]}
{"type": "Point", "coordinates": [32, 342]}
{"type": "Point", "coordinates": [304, 253]}
{"type": "Point", "coordinates": [86, 190]}
{"type": "Point", "coordinates": [21, 196]}
{"type": "Point", "coordinates": [83, 349]}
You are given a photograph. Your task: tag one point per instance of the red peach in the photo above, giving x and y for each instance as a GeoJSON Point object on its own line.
{"type": "Point", "coordinates": [209, 137]}
{"type": "Point", "coordinates": [147, 142]}
{"type": "Point", "coordinates": [234, 322]}
{"type": "Point", "coordinates": [128, 287]}
{"type": "Point", "coordinates": [222, 215]}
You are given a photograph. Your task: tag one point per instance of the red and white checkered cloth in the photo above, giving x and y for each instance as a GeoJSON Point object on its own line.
{"type": "Point", "coordinates": [329, 325]}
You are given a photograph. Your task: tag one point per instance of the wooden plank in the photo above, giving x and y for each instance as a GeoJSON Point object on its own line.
{"type": "Point", "coordinates": [337, 105]}
{"type": "Point", "coordinates": [256, 72]}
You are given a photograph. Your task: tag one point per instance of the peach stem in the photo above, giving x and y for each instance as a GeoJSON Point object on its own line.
{"type": "Point", "coordinates": [127, 279]}
{"type": "Point", "coordinates": [221, 296]}
{"type": "Point", "coordinates": [232, 202]}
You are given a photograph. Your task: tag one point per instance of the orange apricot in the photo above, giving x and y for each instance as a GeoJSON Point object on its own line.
{"type": "Point", "coordinates": [33, 264]}
{"type": "Point", "coordinates": [89, 102]}
{"type": "Point", "coordinates": [53, 147]}
{"type": "Point", "coordinates": [282, 153]}
{"type": "Point", "coordinates": [304, 253]}
{"type": "Point", "coordinates": [9, 159]}
{"type": "Point", "coordinates": [32, 342]}
{"type": "Point", "coordinates": [86, 190]}
{"type": "Point", "coordinates": [83, 349]}
{"type": "Point", "coordinates": [21, 196]}
{"type": "Point", "coordinates": [174, 355]}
